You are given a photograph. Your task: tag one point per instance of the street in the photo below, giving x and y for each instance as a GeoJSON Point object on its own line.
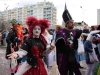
{"type": "Point", "coordinates": [4, 65]}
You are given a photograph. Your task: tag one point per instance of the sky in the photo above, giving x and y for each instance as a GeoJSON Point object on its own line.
{"type": "Point", "coordinates": [87, 13]}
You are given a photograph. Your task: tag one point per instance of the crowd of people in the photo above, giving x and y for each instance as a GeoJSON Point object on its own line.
{"type": "Point", "coordinates": [3, 35]}
{"type": "Point", "coordinates": [33, 50]}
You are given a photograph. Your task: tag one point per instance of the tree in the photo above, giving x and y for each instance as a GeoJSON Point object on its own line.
{"type": "Point", "coordinates": [5, 25]}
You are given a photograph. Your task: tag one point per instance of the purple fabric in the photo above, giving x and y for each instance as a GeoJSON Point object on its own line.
{"type": "Point", "coordinates": [64, 35]}
{"type": "Point", "coordinates": [62, 58]}
{"type": "Point", "coordinates": [62, 32]}
{"type": "Point", "coordinates": [63, 65]}
{"type": "Point", "coordinates": [76, 69]}
{"type": "Point", "coordinates": [74, 33]}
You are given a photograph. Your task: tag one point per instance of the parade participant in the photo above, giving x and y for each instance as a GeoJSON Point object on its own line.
{"type": "Point", "coordinates": [49, 59]}
{"type": "Point", "coordinates": [66, 43]}
{"type": "Point", "coordinates": [98, 28]}
{"type": "Point", "coordinates": [35, 47]}
{"type": "Point", "coordinates": [12, 42]}
{"type": "Point", "coordinates": [91, 56]}
{"type": "Point", "coordinates": [19, 30]}
{"type": "Point", "coordinates": [85, 30]}
{"type": "Point", "coordinates": [58, 27]}
{"type": "Point", "coordinates": [92, 28]}
{"type": "Point", "coordinates": [80, 52]}
{"type": "Point", "coordinates": [4, 35]}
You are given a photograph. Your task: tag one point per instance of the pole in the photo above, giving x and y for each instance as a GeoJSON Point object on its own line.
{"type": "Point", "coordinates": [83, 14]}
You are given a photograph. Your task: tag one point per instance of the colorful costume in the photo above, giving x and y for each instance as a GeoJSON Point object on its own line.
{"type": "Point", "coordinates": [66, 44]}
{"type": "Point", "coordinates": [34, 49]}
{"type": "Point", "coordinates": [97, 70]}
{"type": "Point", "coordinates": [91, 56]}
{"type": "Point", "coordinates": [49, 59]}
{"type": "Point", "coordinates": [12, 41]}
{"type": "Point", "coordinates": [37, 47]}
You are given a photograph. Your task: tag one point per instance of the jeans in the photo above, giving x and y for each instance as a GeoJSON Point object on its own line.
{"type": "Point", "coordinates": [91, 68]}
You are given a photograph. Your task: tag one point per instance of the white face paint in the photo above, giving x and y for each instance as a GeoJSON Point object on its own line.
{"type": "Point", "coordinates": [36, 31]}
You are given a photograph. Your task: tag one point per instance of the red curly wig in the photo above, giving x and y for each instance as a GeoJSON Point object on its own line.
{"type": "Point", "coordinates": [33, 21]}
{"type": "Point", "coordinates": [44, 24]}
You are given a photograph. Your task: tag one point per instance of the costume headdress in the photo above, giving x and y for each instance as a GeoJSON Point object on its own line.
{"type": "Point", "coordinates": [66, 15]}
{"type": "Point", "coordinates": [13, 21]}
{"type": "Point", "coordinates": [44, 24]}
{"type": "Point", "coordinates": [92, 34]}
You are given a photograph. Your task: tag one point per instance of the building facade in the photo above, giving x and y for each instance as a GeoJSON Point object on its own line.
{"type": "Point", "coordinates": [40, 10]}
{"type": "Point", "coordinates": [1, 16]}
{"type": "Point", "coordinates": [1, 20]}
{"type": "Point", "coordinates": [98, 16]}
{"type": "Point", "coordinates": [77, 25]}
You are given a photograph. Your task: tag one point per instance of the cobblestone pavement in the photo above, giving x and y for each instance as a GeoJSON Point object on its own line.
{"type": "Point", "coordinates": [4, 65]}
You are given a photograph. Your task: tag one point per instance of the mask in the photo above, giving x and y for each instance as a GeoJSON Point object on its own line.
{"type": "Point", "coordinates": [36, 31]}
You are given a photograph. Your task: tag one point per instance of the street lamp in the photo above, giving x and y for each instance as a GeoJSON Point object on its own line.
{"type": "Point", "coordinates": [83, 15]}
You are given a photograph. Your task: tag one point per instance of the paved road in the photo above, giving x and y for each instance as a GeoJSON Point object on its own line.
{"type": "Point", "coordinates": [4, 65]}
{"type": "Point", "coordinates": [54, 71]}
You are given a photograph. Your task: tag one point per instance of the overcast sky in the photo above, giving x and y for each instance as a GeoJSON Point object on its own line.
{"type": "Point", "coordinates": [89, 8]}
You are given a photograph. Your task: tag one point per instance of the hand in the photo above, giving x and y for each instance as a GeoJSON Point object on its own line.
{"type": "Point", "coordinates": [12, 49]}
{"type": "Point", "coordinates": [52, 47]}
{"type": "Point", "coordinates": [12, 55]}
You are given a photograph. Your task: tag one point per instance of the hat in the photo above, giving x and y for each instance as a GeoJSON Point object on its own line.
{"type": "Point", "coordinates": [13, 21]}
{"type": "Point", "coordinates": [92, 34]}
{"type": "Point", "coordinates": [66, 15]}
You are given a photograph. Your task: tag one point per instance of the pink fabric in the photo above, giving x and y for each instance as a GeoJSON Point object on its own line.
{"type": "Point", "coordinates": [14, 69]}
{"type": "Point", "coordinates": [11, 70]}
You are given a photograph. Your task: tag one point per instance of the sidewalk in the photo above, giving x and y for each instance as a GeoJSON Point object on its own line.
{"type": "Point", "coordinates": [2, 46]}
{"type": "Point", "coordinates": [5, 66]}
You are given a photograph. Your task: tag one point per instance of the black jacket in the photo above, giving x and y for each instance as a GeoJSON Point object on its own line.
{"type": "Point", "coordinates": [11, 40]}
{"type": "Point", "coordinates": [62, 45]}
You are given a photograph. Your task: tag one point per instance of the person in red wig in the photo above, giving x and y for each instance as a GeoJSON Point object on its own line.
{"type": "Point", "coordinates": [35, 48]}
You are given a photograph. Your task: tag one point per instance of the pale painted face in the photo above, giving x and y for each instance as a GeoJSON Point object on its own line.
{"type": "Point", "coordinates": [36, 31]}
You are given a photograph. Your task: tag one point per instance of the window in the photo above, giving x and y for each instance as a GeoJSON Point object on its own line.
{"type": "Point", "coordinates": [31, 13]}
{"type": "Point", "coordinates": [31, 10]}
{"type": "Point", "coordinates": [28, 11]}
{"type": "Point", "coordinates": [49, 8]}
{"type": "Point", "coordinates": [31, 6]}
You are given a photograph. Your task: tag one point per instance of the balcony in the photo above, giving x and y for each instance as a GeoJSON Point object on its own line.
{"type": "Point", "coordinates": [40, 5]}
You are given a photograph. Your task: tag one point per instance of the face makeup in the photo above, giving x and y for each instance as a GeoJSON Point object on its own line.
{"type": "Point", "coordinates": [36, 31]}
